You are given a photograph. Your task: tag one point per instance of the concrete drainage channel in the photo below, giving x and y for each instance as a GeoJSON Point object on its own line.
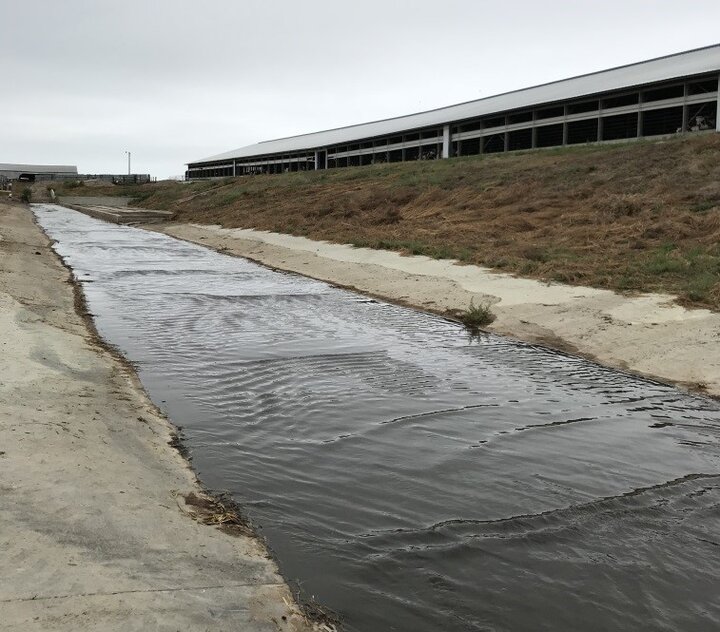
{"type": "Point", "coordinates": [115, 210]}
{"type": "Point", "coordinates": [405, 476]}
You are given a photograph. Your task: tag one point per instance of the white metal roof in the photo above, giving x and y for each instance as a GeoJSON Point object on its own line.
{"type": "Point", "coordinates": [38, 168]}
{"type": "Point", "coordinates": [693, 62]}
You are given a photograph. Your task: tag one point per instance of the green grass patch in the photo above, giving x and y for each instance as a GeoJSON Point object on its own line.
{"type": "Point", "coordinates": [704, 207]}
{"type": "Point", "coordinates": [414, 248]}
{"type": "Point", "coordinates": [700, 286]}
{"type": "Point", "coordinates": [229, 197]}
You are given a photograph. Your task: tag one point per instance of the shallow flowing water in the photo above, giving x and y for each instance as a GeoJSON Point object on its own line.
{"type": "Point", "coordinates": [405, 476]}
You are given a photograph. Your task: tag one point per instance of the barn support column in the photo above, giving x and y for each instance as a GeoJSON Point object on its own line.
{"type": "Point", "coordinates": [533, 131]}
{"type": "Point", "coordinates": [320, 159]}
{"type": "Point", "coordinates": [234, 167]}
{"type": "Point", "coordinates": [717, 110]}
{"type": "Point", "coordinates": [446, 141]}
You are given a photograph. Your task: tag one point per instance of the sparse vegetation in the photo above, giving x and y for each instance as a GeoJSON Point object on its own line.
{"type": "Point", "coordinates": [26, 195]}
{"type": "Point", "coordinates": [477, 316]}
{"type": "Point", "coordinates": [641, 216]}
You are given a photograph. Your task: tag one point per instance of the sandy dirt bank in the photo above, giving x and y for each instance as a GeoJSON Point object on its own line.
{"type": "Point", "coordinates": [94, 531]}
{"type": "Point", "coordinates": [646, 334]}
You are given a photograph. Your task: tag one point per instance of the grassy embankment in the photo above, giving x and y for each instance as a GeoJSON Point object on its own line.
{"type": "Point", "coordinates": [636, 217]}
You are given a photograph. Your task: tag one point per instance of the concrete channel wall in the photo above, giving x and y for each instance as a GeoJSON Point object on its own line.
{"type": "Point", "coordinates": [99, 525]}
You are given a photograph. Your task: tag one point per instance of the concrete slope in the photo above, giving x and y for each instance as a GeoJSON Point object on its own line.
{"type": "Point", "coordinates": [122, 215]}
{"type": "Point", "coordinates": [94, 531]}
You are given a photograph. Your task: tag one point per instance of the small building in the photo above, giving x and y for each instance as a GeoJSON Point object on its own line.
{"type": "Point", "coordinates": [30, 173]}
{"type": "Point", "coordinates": [675, 94]}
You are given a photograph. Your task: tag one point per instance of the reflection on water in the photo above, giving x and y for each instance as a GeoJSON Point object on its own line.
{"type": "Point", "coordinates": [405, 478]}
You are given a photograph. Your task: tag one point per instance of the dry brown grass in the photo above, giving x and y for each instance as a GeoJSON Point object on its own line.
{"type": "Point", "coordinates": [636, 216]}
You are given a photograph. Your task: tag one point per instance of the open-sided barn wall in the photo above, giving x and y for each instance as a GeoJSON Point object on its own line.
{"type": "Point", "coordinates": [14, 171]}
{"type": "Point", "coordinates": [674, 94]}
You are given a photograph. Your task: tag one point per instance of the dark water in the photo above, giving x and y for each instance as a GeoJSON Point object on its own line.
{"type": "Point", "coordinates": [405, 477]}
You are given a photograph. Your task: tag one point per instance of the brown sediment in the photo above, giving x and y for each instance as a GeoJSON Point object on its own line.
{"type": "Point", "coordinates": [218, 510]}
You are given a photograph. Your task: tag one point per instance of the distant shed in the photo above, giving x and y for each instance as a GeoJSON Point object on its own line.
{"type": "Point", "coordinates": [29, 173]}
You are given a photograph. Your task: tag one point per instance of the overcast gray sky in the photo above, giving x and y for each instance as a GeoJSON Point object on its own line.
{"type": "Point", "coordinates": [176, 80]}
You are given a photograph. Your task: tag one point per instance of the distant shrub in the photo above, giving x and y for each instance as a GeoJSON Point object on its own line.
{"type": "Point", "coordinates": [73, 184]}
{"type": "Point", "coordinates": [477, 316]}
{"type": "Point", "coordinates": [139, 198]}
{"type": "Point", "coordinates": [26, 195]}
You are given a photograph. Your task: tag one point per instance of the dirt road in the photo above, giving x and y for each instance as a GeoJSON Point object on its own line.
{"type": "Point", "coordinates": [94, 530]}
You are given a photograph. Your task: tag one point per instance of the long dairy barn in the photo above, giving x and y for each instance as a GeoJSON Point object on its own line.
{"type": "Point", "coordinates": [659, 97]}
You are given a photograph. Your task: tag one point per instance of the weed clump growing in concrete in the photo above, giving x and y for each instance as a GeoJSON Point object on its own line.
{"type": "Point", "coordinates": [477, 316]}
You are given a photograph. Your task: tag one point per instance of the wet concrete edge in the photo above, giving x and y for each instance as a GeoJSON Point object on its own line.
{"type": "Point", "coordinates": [215, 501]}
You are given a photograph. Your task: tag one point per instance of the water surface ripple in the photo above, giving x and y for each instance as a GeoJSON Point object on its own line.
{"type": "Point", "coordinates": [404, 476]}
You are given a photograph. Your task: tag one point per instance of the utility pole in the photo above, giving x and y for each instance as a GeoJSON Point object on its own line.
{"type": "Point", "coordinates": [128, 154]}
